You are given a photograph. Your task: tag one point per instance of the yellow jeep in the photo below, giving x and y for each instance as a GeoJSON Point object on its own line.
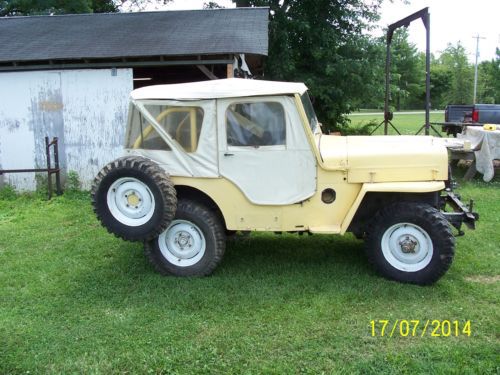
{"type": "Point", "coordinates": [204, 160]}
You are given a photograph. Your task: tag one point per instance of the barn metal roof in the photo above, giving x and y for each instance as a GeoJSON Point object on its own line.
{"type": "Point", "coordinates": [145, 34]}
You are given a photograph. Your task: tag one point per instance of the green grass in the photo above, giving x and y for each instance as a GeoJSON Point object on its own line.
{"type": "Point", "coordinates": [407, 124]}
{"type": "Point", "coordinates": [74, 299]}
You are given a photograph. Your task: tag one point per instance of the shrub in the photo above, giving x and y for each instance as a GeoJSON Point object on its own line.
{"type": "Point", "coordinates": [364, 129]}
{"type": "Point", "coordinates": [73, 181]}
{"type": "Point", "coordinates": [7, 192]}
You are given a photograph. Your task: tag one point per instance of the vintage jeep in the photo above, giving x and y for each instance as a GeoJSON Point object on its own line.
{"type": "Point", "coordinates": [207, 159]}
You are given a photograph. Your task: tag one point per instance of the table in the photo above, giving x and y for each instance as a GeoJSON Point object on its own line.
{"type": "Point", "coordinates": [486, 147]}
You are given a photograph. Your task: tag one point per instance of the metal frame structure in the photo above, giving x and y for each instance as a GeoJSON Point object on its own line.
{"type": "Point", "coordinates": [49, 170]}
{"type": "Point", "coordinates": [424, 15]}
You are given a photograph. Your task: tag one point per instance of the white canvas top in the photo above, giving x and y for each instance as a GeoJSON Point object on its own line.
{"type": "Point", "coordinates": [219, 88]}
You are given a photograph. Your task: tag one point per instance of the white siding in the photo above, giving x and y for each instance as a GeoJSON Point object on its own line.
{"type": "Point", "coordinates": [86, 109]}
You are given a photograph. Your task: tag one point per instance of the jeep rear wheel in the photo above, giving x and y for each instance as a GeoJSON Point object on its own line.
{"type": "Point", "coordinates": [134, 198]}
{"type": "Point", "coordinates": [410, 242]}
{"type": "Point", "coordinates": [192, 245]}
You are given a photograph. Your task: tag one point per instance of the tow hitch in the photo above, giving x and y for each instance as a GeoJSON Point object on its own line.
{"type": "Point", "coordinates": [461, 213]}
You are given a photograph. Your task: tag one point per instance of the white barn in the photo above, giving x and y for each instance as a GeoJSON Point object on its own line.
{"type": "Point", "coordinates": [70, 77]}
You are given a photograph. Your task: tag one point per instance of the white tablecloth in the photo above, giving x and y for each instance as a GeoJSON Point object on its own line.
{"type": "Point", "coordinates": [486, 146]}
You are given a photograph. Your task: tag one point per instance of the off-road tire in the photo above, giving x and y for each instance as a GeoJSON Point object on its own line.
{"type": "Point", "coordinates": [209, 223]}
{"type": "Point", "coordinates": [417, 215]}
{"type": "Point", "coordinates": [151, 175]}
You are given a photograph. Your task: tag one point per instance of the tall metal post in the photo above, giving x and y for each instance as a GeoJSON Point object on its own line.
{"type": "Point", "coordinates": [424, 15]}
{"type": "Point", "coordinates": [47, 170]}
{"type": "Point", "coordinates": [477, 37]}
{"type": "Point", "coordinates": [49, 176]}
{"type": "Point", "coordinates": [427, 23]}
{"type": "Point", "coordinates": [387, 83]}
{"type": "Point", "coordinates": [55, 142]}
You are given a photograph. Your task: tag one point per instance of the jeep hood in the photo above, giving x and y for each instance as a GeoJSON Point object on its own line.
{"type": "Point", "coordinates": [386, 158]}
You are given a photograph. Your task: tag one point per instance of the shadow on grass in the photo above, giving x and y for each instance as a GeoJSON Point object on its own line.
{"type": "Point", "coordinates": [458, 173]}
{"type": "Point", "coordinates": [264, 270]}
{"type": "Point", "coordinates": [264, 265]}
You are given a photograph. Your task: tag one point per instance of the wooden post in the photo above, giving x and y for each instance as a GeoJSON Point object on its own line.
{"type": "Point", "coordinates": [230, 71]}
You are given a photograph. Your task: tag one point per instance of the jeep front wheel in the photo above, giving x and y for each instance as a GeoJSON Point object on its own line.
{"type": "Point", "coordinates": [192, 245]}
{"type": "Point", "coordinates": [134, 198]}
{"type": "Point", "coordinates": [410, 242]}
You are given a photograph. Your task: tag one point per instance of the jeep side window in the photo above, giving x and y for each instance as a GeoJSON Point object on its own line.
{"type": "Point", "coordinates": [255, 124]}
{"type": "Point", "coordinates": [183, 124]}
{"type": "Point", "coordinates": [143, 135]}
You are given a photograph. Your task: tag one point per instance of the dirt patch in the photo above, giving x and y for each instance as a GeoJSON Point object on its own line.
{"type": "Point", "coordinates": [483, 279]}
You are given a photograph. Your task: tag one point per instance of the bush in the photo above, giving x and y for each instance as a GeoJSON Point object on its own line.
{"type": "Point", "coordinates": [7, 192]}
{"type": "Point", "coordinates": [364, 129]}
{"type": "Point", "coordinates": [73, 181]}
{"type": "Point", "coordinates": [41, 180]}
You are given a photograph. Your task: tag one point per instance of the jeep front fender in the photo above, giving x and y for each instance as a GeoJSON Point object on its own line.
{"type": "Point", "coordinates": [389, 187]}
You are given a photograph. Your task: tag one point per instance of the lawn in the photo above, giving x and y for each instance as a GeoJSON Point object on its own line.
{"type": "Point", "coordinates": [406, 123]}
{"type": "Point", "coordinates": [74, 299]}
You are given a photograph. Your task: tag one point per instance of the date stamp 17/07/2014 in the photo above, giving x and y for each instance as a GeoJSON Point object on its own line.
{"type": "Point", "coordinates": [420, 328]}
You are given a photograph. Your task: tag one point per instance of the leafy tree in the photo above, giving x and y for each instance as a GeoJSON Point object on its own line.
{"type": "Point", "coordinates": [36, 7]}
{"type": "Point", "coordinates": [441, 81]}
{"type": "Point", "coordinates": [104, 6]}
{"type": "Point", "coordinates": [39, 7]}
{"type": "Point", "coordinates": [407, 88]}
{"type": "Point", "coordinates": [454, 60]}
{"type": "Point", "coordinates": [138, 5]}
{"type": "Point", "coordinates": [212, 5]}
{"type": "Point", "coordinates": [407, 72]}
{"type": "Point", "coordinates": [489, 80]}
{"type": "Point", "coordinates": [321, 42]}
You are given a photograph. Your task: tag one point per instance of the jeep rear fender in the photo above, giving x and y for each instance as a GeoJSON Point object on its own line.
{"type": "Point", "coordinates": [389, 187]}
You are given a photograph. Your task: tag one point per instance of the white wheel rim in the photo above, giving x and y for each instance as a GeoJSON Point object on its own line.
{"type": "Point", "coordinates": [130, 201]}
{"type": "Point", "coordinates": [407, 247]}
{"type": "Point", "coordinates": [182, 243]}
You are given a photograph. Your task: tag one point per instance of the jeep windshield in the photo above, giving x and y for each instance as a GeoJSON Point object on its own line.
{"type": "Point", "coordinates": [311, 115]}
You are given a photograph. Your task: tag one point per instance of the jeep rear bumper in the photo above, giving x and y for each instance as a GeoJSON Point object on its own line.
{"type": "Point", "coordinates": [461, 214]}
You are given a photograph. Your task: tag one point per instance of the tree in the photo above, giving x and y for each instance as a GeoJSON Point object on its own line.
{"type": "Point", "coordinates": [454, 60]}
{"type": "Point", "coordinates": [212, 5]}
{"type": "Point", "coordinates": [41, 7]}
{"type": "Point", "coordinates": [407, 73]}
{"type": "Point", "coordinates": [321, 43]}
{"type": "Point", "coordinates": [441, 80]}
{"type": "Point", "coordinates": [489, 80]}
{"type": "Point", "coordinates": [104, 6]}
{"type": "Point", "coordinates": [139, 5]}
{"type": "Point", "coordinates": [38, 7]}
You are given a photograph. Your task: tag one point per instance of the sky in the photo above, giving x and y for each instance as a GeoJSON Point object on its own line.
{"type": "Point", "coordinates": [451, 21]}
